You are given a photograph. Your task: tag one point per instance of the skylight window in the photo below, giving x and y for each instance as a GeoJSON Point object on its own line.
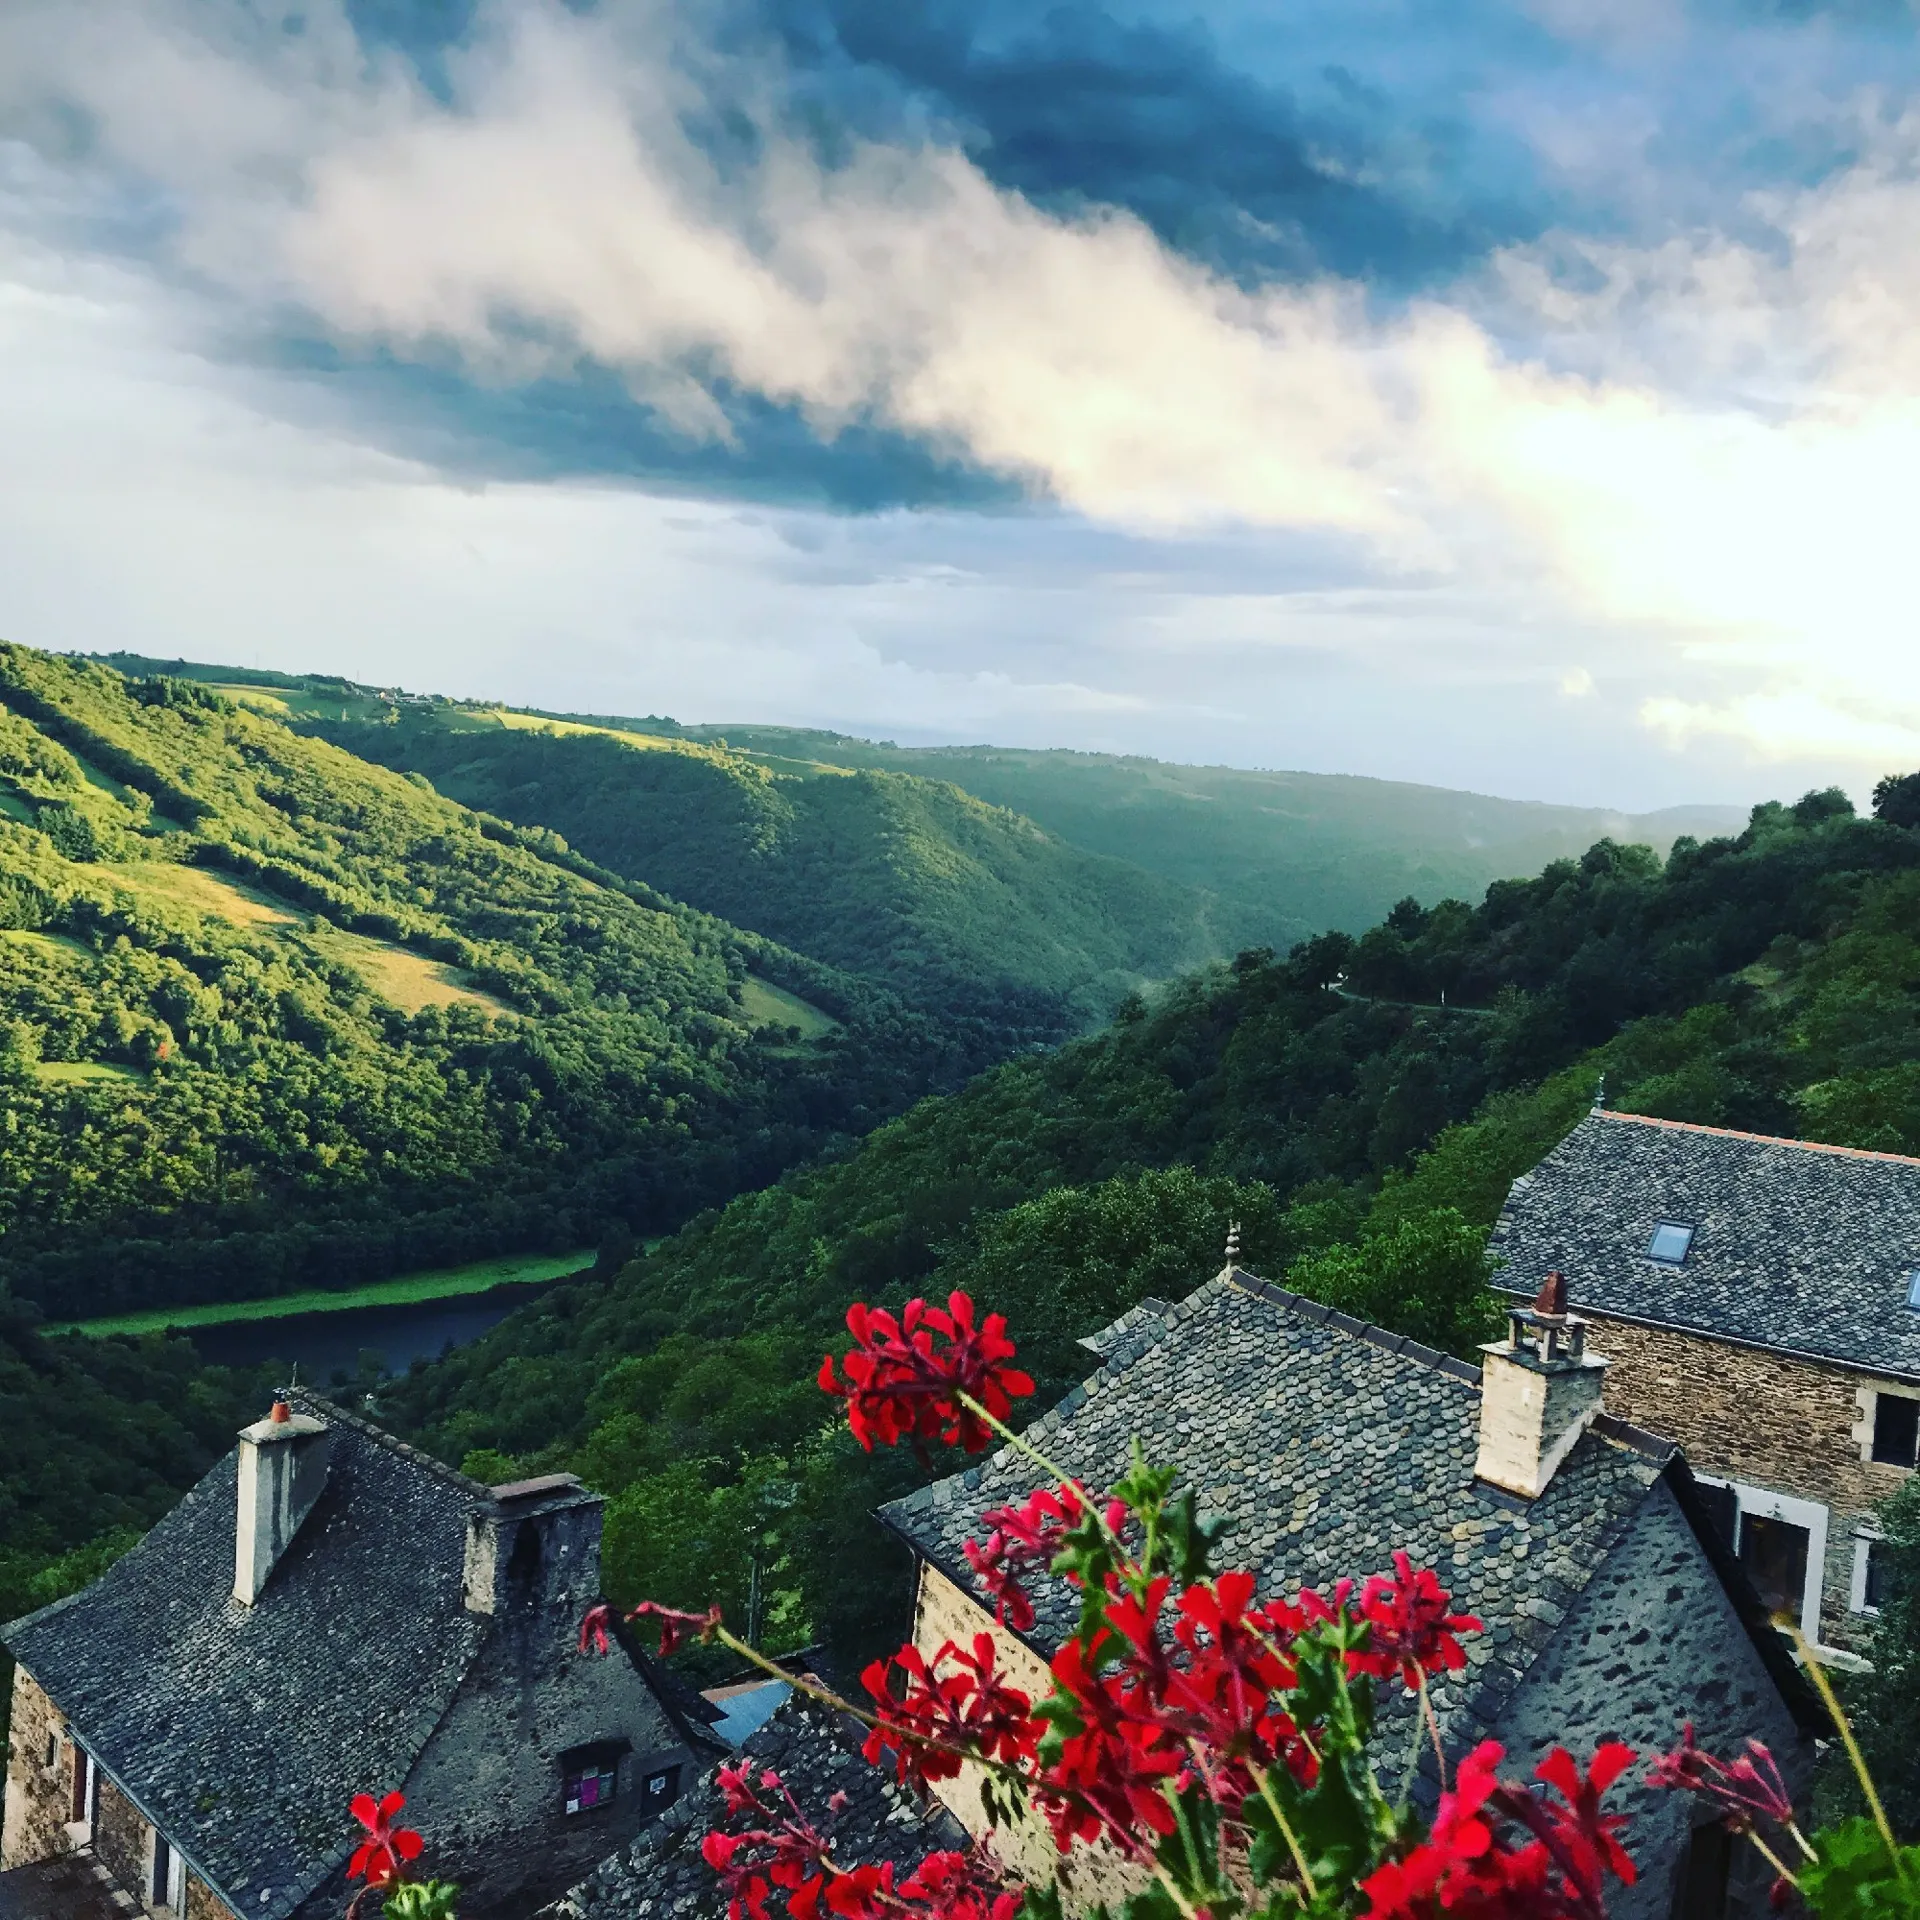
{"type": "Point", "coordinates": [1670, 1243]}
{"type": "Point", "coordinates": [1913, 1290]}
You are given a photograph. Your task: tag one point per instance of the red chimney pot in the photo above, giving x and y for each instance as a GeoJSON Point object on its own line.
{"type": "Point", "coordinates": [281, 1411]}
{"type": "Point", "coordinates": [1552, 1297]}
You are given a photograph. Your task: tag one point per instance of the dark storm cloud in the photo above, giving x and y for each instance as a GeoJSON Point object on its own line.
{"type": "Point", "coordinates": [1075, 107]}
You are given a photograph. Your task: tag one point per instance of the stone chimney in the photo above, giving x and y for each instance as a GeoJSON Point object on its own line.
{"type": "Point", "coordinates": [283, 1471]}
{"type": "Point", "coordinates": [1539, 1392]}
{"type": "Point", "coordinates": [536, 1545]}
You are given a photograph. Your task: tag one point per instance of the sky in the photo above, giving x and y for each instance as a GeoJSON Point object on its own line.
{"type": "Point", "coordinates": [1522, 396]}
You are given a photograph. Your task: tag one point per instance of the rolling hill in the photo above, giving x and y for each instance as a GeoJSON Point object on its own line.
{"type": "Point", "coordinates": [1284, 855]}
{"type": "Point", "coordinates": [1032, 888]}
{"type": "Point", "coordinates": [271, 1016]}
{"type": "Point", "coordinates": [912, 882]}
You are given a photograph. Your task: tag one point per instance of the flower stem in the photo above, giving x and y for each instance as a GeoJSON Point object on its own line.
{"type": "Point", "coordinates": [1413, 1767]}
{"type": "Point", "coordinates": [1772, 1859]}
{"type": "Point", "coordinates": [1021, 1444]}
{"type": "Point", "coordinates": [1287, 1833]}
{"type": "Point", "coordinates": [1818, 1675]}
{"type": "Point", "coordinates": [1433, 1721]}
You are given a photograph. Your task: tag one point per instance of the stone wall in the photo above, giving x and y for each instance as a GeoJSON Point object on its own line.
{"type": "Point", "coordinates": [1654, 1641]}
{"type": "Point", "coordinates": [1794, 1426]}
{"type": "Point", "coordinates": [202, 1904]}
{"type": "Point", "coordinates": [122, 1840]}
{"type": "Point", "coordinates": [486, 1789]}
{"type": "Point", "coordinates": [1092, 1873]}
{"type": "Point", "coordinates": [39, 1797]}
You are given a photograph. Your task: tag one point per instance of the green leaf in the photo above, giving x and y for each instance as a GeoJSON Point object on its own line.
{"type": "Point", "coordinates": [1855, 1878]}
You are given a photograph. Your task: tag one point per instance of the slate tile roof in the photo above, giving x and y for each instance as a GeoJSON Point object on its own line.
{"type": "Point", "coordinates": [1797, 1247]}
{"type": "Point", "coordinates": [661, 1876]}
{"type": "Point", "coordinates": [1325, 1444]}
{"type": "Point", "coordinates": [244, 1732]}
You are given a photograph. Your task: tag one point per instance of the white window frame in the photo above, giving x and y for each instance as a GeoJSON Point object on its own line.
{"type": "Point", "coordinates": [1864, 1542]}
{"type": "Point", "coordinates": [1764, 1504]}
{"type": "Point", "coordinates": [1868, 1399]}
{"type": "Point", "coordinates": [163, 1851]}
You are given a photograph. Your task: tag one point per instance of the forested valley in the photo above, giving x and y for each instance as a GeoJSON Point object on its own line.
{"type": "Point", "coordinates": [214, 924]}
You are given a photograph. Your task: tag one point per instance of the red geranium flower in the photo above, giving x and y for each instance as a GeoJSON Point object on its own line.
{"type": "Point", "coordinates": [380, 1855]}
{"type": "Point", "coordinates": [1027, 1538]}
{"type": "Point", "coordinates": [904, 1379]}
{"type": "Point", "coordinates": [957, 1699]}
{"type": "Point", "coordinates": [1411, 1631]}
{"type": "Point", "coordinates": [593, 1628]}
{"type": "Point", "coordinates": [1749, 1788]}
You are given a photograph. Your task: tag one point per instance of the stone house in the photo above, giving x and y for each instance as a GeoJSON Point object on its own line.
{"type": "Point", "coordinates": [1613, 1608]}
{"type": "Point", "coordinates": [327, 1613]}
{"type": "Point", "coordinates": [1760, 1302]}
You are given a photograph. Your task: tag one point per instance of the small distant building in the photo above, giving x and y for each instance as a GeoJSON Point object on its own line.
{"type": "Point", "coordinates": [1760, 1302]}
{"type": "Point", "coordinates": [328, 1613]}
{"type": "Point", "coordinates": [1613, 1608]}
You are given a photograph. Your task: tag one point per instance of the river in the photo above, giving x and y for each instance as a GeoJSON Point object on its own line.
{"type": "Point", "coordinates": [327, 1346]}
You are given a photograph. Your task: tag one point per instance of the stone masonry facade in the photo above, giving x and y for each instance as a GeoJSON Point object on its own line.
{"type": "Point", "coordinates": [40, 1762]}
{"type": "Point", "coordinates": [1790, 1425]}
{"type": "Point", "coordinates": [941, 1613]}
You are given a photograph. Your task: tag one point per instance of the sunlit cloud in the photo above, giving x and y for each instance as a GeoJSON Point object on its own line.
{"type": "Point", "coordinates": [1670, 471]}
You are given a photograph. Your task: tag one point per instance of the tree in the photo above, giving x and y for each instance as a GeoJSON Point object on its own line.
{"type": "Point", "coordinates": [1882, 1703]}
{"type": "Point", "coordinates": [1425, 1276]}
{"type": "Point", "coordinates": [1896, 800]}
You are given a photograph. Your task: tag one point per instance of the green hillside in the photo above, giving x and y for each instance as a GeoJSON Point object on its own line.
{"type": "Point", "coordinates": [1035, 888]}
{"type": "Point", "coordinates": [909, 881]}
{"type": "Point", "coordinates": [1284, 855]}
{"type": "Point", "coordinates": [272, 1017]}
{"type": "Point", "coordinates": [1769, 980]}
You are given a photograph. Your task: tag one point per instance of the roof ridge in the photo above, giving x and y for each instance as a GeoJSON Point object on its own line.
{"type": "Point", "coordinates": [1402, 1344]}
{"type": "Point", "coordinates": [380, 1437]}
{"type": "Point", "coordinates": [1761, 1139]}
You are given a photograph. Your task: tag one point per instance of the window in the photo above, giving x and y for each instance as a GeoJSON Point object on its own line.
{"type": "Point", "coordinates": [164, 1890]}
{"type": "Point", "coordinates": [1896, 1429]}
{"type": "Point", "coordinates": [1913, 1289]}
{"type": "Point", "coordinates": [1774, 1553]}
{"type": "Point", "coordinates": [1780, 1542]}
{"type": "Point", "coordinates": [1670, 1243]}
{"type": "Point", "coordinates": [1875, 1580]}
{"type": "Point", "coordinates": [86, 1786]}
{"type": "Point", "coordinates": [53, 1751]}
{"type": "Point", "coordinates": [590, 1776]}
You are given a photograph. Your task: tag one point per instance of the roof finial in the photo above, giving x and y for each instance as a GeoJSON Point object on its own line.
{"type": "Point", "coordinates": [1233, 1243]}
{"type": "Point", "coordinates": [1600, 1094]}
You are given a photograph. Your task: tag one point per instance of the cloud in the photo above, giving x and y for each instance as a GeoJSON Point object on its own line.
{"type": "Point", "coordinates": [1685, 448]}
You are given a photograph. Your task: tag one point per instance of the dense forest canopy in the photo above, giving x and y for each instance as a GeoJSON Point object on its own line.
{"type": "Point", "coordinates": [911, 882]}
{"type": "Point", "coordinates": [272, 1016]}
{"type": "Point", "coordinates": [1283, 855]}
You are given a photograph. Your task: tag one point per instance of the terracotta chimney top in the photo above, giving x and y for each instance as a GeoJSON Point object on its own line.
{"type": "Point", "coordinates": [281, 1413]}
{"type": "Point", "coordinates": [1552, 1297]}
